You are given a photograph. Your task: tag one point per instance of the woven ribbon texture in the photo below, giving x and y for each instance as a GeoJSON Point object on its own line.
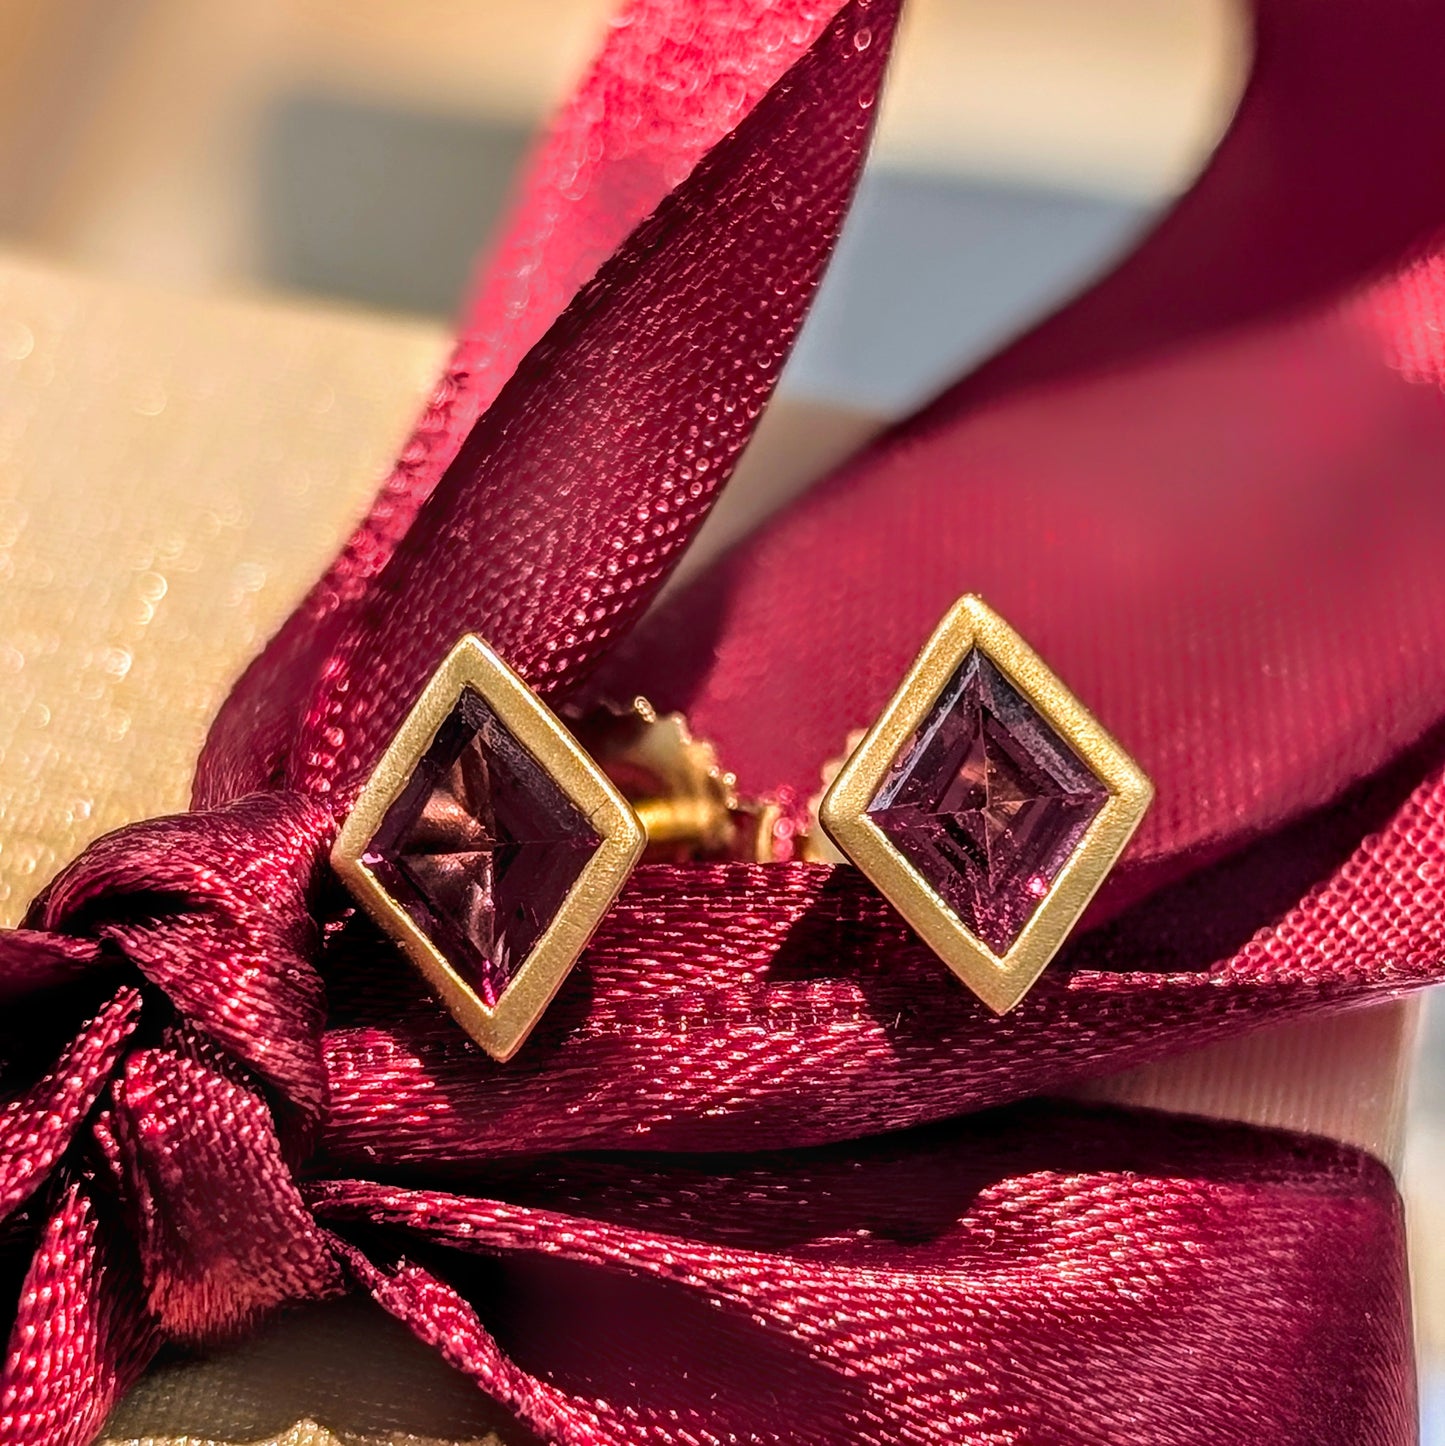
{"type": "Point", "coordinates": [741, 1185]}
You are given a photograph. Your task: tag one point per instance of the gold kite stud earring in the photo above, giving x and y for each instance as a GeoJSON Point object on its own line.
{"type": "Point", "coordinates": [489, 845]}
{"type": "Point", "coordinates": [986, 804]}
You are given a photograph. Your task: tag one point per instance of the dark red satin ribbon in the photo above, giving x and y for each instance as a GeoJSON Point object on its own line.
{"type": "Point", "coordinates": [1042, 1275]}
{"type": "Point", "coordinates": [1211, 545]}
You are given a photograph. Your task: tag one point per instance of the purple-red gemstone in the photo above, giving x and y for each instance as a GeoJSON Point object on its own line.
{"type": "Point", "coordinates": [481, 847]}
{"type": "Point", "coordinates": [987, 802]}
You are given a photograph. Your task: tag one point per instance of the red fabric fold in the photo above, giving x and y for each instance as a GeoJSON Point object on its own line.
{"type": "Point", "coordinates": [183, 1107]}
{"type": "Point", "coordinates": [32, 960]}
{"type": "Point", "coordinates": [232, 888]}
{"type": "Point", "coordinates": [605, 450]}
{"type": "Point", "coordinates": [1051, 1275]}
{"type": "Point", "coordinates": [439, 1315]}
{"type": "Point", "coordinates": [223, 1234]}
{"type": "Point", "coordinates": [81, 1335]}
{"type": "Point", "coordinates": [573, 496]}
{"type": "Point", "coordinates": [826, 1019]}
{"type": "Point", "coordinates": [38, 1125]}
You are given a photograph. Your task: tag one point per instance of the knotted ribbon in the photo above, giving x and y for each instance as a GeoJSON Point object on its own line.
{"type": "Point", "coordinates": [1209, 492]}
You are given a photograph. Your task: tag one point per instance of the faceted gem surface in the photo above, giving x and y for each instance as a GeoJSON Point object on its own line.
{"type": "Point", "coordinates": [481, 847]}
{"type": "Point", "coordinates": [987, 802]}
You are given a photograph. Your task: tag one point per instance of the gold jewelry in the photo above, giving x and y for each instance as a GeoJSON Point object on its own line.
{"type": "Point", "coordinates": [488, 845]}
{"type": "Point", "coordinates": [491, 840]}
{"type": "Point", "coordinates": [687, 801]}
{"type": "Point", "coordinates": [986, 804]}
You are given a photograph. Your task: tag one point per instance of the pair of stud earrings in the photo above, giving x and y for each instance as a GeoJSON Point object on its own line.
{"type": "Point", "coordinates": [985, 803]}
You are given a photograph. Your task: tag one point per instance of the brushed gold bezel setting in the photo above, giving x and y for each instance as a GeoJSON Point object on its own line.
{"type": "Point", "coordinates": [499, 1029]}
{"type": "Point", "coordinates": [1000, 981]}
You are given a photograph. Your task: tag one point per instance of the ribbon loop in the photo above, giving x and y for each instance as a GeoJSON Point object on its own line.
{"type": "Point", "coordinates": [223, 1233]}
{"type": "Point", "coordinates": [213, 909]}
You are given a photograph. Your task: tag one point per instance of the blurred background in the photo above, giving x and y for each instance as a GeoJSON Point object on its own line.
{"type": "Point", "coordinates": [357, 154]}
{"type": "Point", "coordinates": [361, 153]}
